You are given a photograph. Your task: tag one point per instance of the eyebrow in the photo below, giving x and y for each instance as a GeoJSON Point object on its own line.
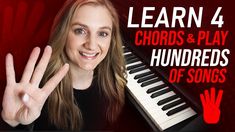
{"type": "Point", "coordinates": [84, 25]}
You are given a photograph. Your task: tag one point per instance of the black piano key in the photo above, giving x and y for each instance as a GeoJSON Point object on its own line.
{"type": "Point", "coordinates": [126, 50]}
{"type": "Point", "coordinates": [168, 99]}
{"type": "Point", "coordinates": [130, 57]}
{"type": "Point", "coordinates": [156, 88]}
{"type": "Point", "coordinates": [154, 95]}
{"type": "Point", "coordinates": [150, 82]}
{"type": "Point", "coordinates": [132, 61]}
{"type": "Point", "coordinates": [142, 75]}
{"type": "Point", "coordinates": [134, 66]}
{"type": "Point", "coordinates": [146, 78]}
{"type": "Point", "coordinates": [172, 104]}
{"type": "Point", "coordinates": [176, 110]}
{"type": "Point", "coordinates": [137, 69]}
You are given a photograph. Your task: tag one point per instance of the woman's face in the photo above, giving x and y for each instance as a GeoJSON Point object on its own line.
{"type": "Point", "coordinates": [89, 36]}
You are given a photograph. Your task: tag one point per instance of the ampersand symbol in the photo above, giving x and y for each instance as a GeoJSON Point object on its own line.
{"type": "Point", "coordinates": [190, 38]}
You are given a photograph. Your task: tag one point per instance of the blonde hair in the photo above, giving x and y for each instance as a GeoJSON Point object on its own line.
{"type": "Point", "coordinates": [62, 109]}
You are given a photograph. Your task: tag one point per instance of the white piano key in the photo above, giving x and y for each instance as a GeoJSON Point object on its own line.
{"type": "Point", "coordinates": [161, 116]}
{"type": "Point", "coordinates": [137, 86]}
{"type": "Point", "coordinates": [189, 112]}
{"type": "Point", "coordinates": [154, 85]}
{"type": "Point", "coordinates": [139, 72]}
{"type": "Point", "coordinates": [166, 95]}
{"type": "Point", "coordinates": [149, 105]}
{"type": "Point", "coordinates": [127, 53]}
{"type": "Point", "coordinates": [146, 99]}
{"type": "Point", "coordinates": [135, 63]}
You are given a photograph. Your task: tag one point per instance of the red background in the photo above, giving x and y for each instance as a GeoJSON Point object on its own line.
{"type": "Point", "coordinates": [20, 34]}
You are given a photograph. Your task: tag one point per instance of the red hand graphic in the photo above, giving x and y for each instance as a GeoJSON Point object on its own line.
{"type": "Point", "coordinates": [211, 111]}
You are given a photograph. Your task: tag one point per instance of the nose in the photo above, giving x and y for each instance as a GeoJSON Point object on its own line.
{"type": "Point", "coordinates": [91, 43]}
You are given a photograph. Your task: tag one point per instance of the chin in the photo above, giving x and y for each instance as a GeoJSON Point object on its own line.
{"type": "Point", "coordinates": [88, 67]}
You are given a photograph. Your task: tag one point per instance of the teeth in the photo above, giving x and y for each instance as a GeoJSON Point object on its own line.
{"type": "Point", "coordinates": [89, 55]}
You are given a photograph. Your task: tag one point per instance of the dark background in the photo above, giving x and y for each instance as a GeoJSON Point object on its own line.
{"type": "Point", "coordinates": [25, 24]}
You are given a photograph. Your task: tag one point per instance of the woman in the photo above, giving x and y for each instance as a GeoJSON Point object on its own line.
{"type": "Point", "coordinates": [87, 56]}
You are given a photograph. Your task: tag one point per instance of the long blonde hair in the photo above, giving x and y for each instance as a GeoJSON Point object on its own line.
{"type": "Point", "coordinates": [62, 109]}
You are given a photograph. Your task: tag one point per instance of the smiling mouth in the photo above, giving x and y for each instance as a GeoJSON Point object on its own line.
{"type": "Point", "coordinates": [88, 55]}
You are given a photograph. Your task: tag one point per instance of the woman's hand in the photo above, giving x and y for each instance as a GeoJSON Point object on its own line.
{"type": "Point", "coordinates": [23, 101]}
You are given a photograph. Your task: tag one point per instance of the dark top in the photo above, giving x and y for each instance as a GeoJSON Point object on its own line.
{"type": "Point", "coordinates": [93, 107]}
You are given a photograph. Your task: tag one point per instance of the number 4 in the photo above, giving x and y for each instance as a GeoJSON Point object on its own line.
{"type": "Point", "coordinates": [219, 22]}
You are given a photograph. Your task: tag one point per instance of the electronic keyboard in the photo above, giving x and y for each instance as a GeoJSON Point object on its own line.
{"type": "Point", "coordinates": [157, 99]}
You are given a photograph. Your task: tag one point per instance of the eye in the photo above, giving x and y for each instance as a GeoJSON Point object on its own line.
{"type": "Point", "coordinates": [103, 34]}
{"type": "Point", "coordinates": [80, 31]}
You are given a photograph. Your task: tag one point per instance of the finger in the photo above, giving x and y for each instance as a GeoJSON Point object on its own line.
{"type": "Point", "coordinates": [219, 98]}
{"type": "Point", "coordinates": [202, 100]}
{"type": "Point", "coordinates": [207, 96]}
{"type": "Point", "coordinates": [29, 68]}
{"type": "Point", "coordinates": [212, 95]}
{"type": "Point", "coordinates": [41, 67]}
{"type": "Point", "coordinates": [54, 81]}
{"type": "Point", "coordinates": [10, 71]}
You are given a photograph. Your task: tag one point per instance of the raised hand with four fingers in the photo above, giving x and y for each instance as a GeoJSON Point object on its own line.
{"type": "Point", "coordinates": [211, 104]}
{"type": "Point", "coordinates": [23, 101]}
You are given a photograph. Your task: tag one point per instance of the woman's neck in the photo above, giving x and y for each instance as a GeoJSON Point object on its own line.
{"type": "Point", "coordinates": [81, 79]}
